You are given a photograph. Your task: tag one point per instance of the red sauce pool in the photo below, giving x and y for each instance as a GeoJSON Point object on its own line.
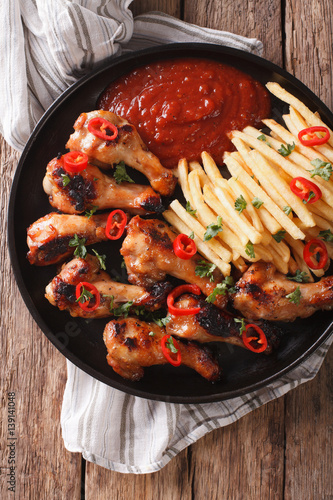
{"type": "Point", "coordinates": [185, 106]}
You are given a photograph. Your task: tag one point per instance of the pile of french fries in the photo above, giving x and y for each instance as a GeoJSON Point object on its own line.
{"type": "Point", "coordinates": [275, 223]}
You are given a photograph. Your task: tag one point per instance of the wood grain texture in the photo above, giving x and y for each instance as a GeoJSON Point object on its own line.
{"type": "Point", "coordinates": [173, 482]}
{"type": "Point", "coordinates": [171, 7]}
{"type": "Point", "coordinates": [251, 18]}
{"type": "Point", "coordinates": [33, 369]}
{"type": "Point", "coordinates": [309, 409]}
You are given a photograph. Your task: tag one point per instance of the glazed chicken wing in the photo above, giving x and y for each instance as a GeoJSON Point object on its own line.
{"type": "Point", "coordinates": [60, 291]}
{"type": "Point", "coordinates": [128, 147]}
{"type": "Point", "coordinates": [262, 292]}
{"type": "Point", "coordinates": [212, 325]}
{"type": "Point", "coordinates": [132, 347]}
{"type": "Point", "coordinates": [91, 188]}
{"type": "Point", "coordinates": [48, 238]}
{"type": "Point", "coordinates": [149, 257]}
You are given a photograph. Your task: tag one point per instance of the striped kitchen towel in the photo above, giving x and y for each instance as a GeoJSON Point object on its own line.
{"type": "Point", "coordinates": [46, 46]}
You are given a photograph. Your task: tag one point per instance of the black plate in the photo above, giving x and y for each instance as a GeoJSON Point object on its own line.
{"type": "Point", "coordinates": [81, 341]}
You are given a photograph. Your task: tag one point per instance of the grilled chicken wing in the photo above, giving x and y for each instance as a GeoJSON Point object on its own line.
{"type": "Point", "coordinates": [262, 293]}
{"type": "Point", "coordinates": [212, 325]}
{"type": "Point", "coordinates": [128, 147]}
{"type": "Point", "coordinates": [48, 238]}
{"type": "Point", "coordinates": [60, 291]}
{"type": "Point", "coordinates": [91, 188]}
{"type": "Point", "coordinates": [149, 257]}
{"type": "Point", "coordinates": [131, 349]}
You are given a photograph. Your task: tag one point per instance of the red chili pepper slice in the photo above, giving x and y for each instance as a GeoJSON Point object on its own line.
{"type": "Point", "coordinates": [314, 139]}
{"type": "Point", "coordinates": [257, 343]}
{"type": "Point", "coordinates": [308, 191]}
{"type": "Point", "coordinates": [184, 247]}
{"type": "Point", "coordinates": [103, 129]}
{"type": "Point", "coordinates": [312, 249]}
{"type": "Point", "coordinates": [75, 161]}
{"type": "Point", "coordinates": [167, 352]}
{"type": "Point", "coordinates": [115, 225]}
{"type": "Point", "coordinates": [176, 292]}
{"type": "Point", "coordinates": [86, 305]}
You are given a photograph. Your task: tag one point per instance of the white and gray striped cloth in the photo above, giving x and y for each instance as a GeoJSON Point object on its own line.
{"type": "Point", "coordinates": [46, 46]}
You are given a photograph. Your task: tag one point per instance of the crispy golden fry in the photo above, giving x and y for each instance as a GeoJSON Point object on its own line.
{"type": "Point", "coordinates": [310, 117]}
{"type": "Point", "coordinates": [203, 249]}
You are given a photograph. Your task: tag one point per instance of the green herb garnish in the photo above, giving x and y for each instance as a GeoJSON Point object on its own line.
{"type": "Point", "coordinates": [65, 179]}
{"type": "Point", "coordinates": [205, 269]}
{"type": "Point", "coordinates": [279, 235]}
{"type": "Point", "coordinates": [240, 204]}
{"type": "Point", "coordinates": [85, 295]}
{"type": "Point", "coordinates": [326, 235]}
{"type": "Point", "coordinates": [286, 150]}
{"type": "Point", "coordinates": [295, 297]}
{"type": "Point", "coordinates": [101, 259]}
{"type": "Point", "coordinates": [120, 174]}
{"type": "Point", "coordinates": [242, 326]}
{"type": "Point", "coordinates": [256, 202]}
{"type": "Point", "coordinates": [89, 213]}
{"type": "Point", "coordinates": [300, 277]}
{"type": "Point", "coordinates": [190, 210]}
{"type": "Point", "coordinates": [249, 250]}
{"type": "Point", "coordinates": [322, 168]}
{"type": "Point", "coordinates": [213, 229]}
{"type": "Point", "coordinates": [221, 289]}
{"type": "Point", "coordinates": [79, 243]}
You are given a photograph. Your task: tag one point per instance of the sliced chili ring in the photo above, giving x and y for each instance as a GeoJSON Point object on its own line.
{"type": "Point", "coordinates": [103, 129]}
{"type": "Point", "coordinates": [176, 292]}
{"type": "Point", "coordinates": [75, 162]}
{"type": "Point", "coordinates": [86, 305]}
{"type": "Point", "coordinates": [312, 249]}
{"type": "Point", "coordinates": [167, 352]}
{"type": "Point", "coordinates": [257, 343]}
{"type": "Point", "coordinates": [314, 139]}
{"type": "Point", "coordinates": [184, 247]}
{"type": "Point", "coordinates": [115, 224]}
{"type": "Point", "coordinates": [307, 191]}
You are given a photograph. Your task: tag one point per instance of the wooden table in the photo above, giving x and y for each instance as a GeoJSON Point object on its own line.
{"type": "Point", "coordinates": [282, 450]}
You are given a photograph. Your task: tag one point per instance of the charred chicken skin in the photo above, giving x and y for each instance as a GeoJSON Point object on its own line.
{"type": "Point", "coordinates": [262, 292]}
{"type": "Point", "coordinates": [212, 325]}
{"type": "Point", "coordinates": [127, 146]}
{"type": "Point", "coordinates": [48, 238]}
{"type": "Point", "coordinates": [91, 188]}
{"type": "Point", "coordinates": [60, 291]}
{"type": "Point", "coordinates": [149, 257]}
{"type": "Point", "coordinates": [132, 347]}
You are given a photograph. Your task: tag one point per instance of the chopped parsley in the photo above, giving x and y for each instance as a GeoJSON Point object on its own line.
{"type": "Point", "coordinates": [300, 277]}
{"type": "Point", "coordinates": [322, 168]}
{"type": "Point", "coordinates": [101, 259]}
{"type": "Point", "coordinates": [85, 295]}
{"type": "Point", "coordinates": [205, 269]}
{"type": "Point", "coordinates": [191, 235]}
{"type": "Point", "coordinates": [120, 174]}
{"type": "Point", "coordinates": [65, 179]}
{"type": "Point", "coordinates": [256, 202]}
{"type": "Point", "coordinates": [326, 235]}
{"type": "Point", "coordinates": [89, 213]}
{"type": "Point", "coordinates": [190, 210]}
{"type": "Point", "coordinates": [295, 297]}
{"type": "Point", "coordinates": [279, 235]}
{"type": "Point", "coordinates": [227, 285]}
{"type": "Point", "coordinates": [311, 195]}
{"type": "Point", "coordinates": [287, 210]}
{"type": "Point", "coordinates": [213, 229]}
{"type": "Point", "coordinates": [286, 150]}
{"type": "Point", "coordinates": [263, 138]}
{"type": "Point", "coordinates": [162, 321]}
{"type": "Point", "coordinates": [79, 243]}
{"type": "Point", "coordinates": [240, 204]}
{"type": "Point", "coordinates": [170, 345]}
{"type": "Point", "coordinates": [249, 250]}
{"type": "Point", "coordinates": [122, 310]}
{"type": "Point", "coordinates": [242, 325]}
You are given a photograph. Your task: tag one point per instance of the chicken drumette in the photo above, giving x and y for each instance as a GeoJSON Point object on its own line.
{"type": "Point", "coordinates": [213, 325]}
{"type": "Point", "coordinates": [262, 292]}
{"type": "Point", "coordinates": [133, 345]}
{"type": "Point", "coordinates": [49, 237]}
{"type": "Point", "coordinates": [149, 257]}
{"type": "Point", "coordinates": [60, 291]}
{"type": "Point", "coordinates": [127, 146]}
{"type": "Point", "coordinates": [91, 188]}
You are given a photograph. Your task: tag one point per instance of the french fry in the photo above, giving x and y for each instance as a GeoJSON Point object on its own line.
{"type": "Point", "coordinates": [269, 204]}
{"type": "Point", "coordinates": [310, 117]}
{"type": "Point", "coordinates": [203, 249]}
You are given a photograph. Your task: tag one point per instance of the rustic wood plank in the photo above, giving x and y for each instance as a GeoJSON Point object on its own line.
{"type": "Point", "coordinates": [309, 409]}
{"type": "Point", "coordinates": [171, 7]}
{"type": "Point", "coordinates": [36, 372]}
{"type": "Point", "coordinates": [252, 18]}
{"type": "Point", "coordinates": [170, 483]}
{"type": "Point", "coordinates": [242, 460]}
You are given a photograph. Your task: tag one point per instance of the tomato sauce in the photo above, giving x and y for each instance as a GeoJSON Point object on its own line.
{"type": "Point", "coordinates": [182, 107]}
